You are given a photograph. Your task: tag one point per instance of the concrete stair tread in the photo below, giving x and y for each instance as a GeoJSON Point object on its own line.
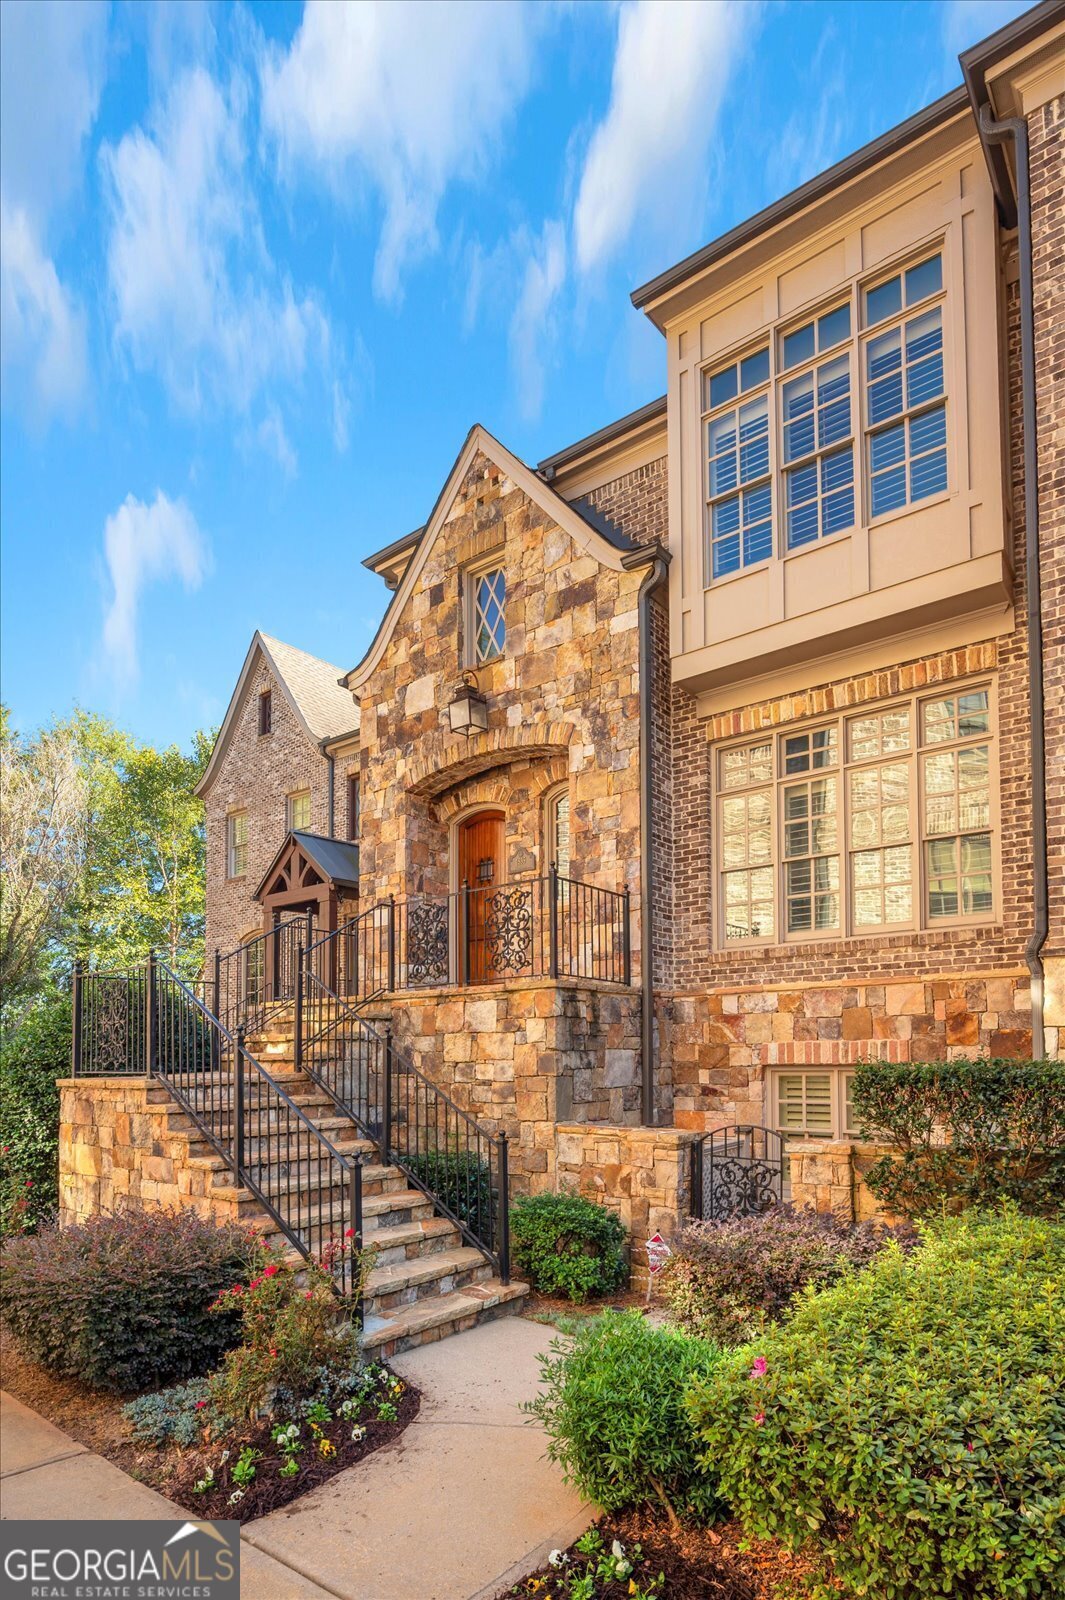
{"type": "Point", "coordinates": [422, 1269]}
{"type": "Point", "coordinates": [406, 1321]}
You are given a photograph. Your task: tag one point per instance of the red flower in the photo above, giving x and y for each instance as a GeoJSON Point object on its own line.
{"type": "Point", "coordinates": [271, 1272]}
{"type": "Point", "coordinates": [273, 1352]}
{"type": "Point", "coordinates": [759, 1418]}
{"type": "Point", "coordinates": [308, 1294]}
{"type": "Point", "coordinates": [29, 1183]}
{"type": "Point", "coordinates": [349, 1233]}
{"type": "Point", "coordinates": [200, 1404]}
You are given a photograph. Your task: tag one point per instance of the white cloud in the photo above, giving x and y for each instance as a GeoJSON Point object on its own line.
{"type": "Point", "coordinates": [966, 22]}
{"type": "Point", "coordinates": [275, 440]}
{"type": "Point", "coordinates": [51, 76]}
{"type": "Point", "coordinates": [673, 64]}
{"type": "Point", "coordinates": [406, 97]}
{"type": "Point", "coordinates": [42, 327]}
{"type": "Point", "coordinates": [532, 331]}
{"type": "Point", "coordinates": [146, 544]}
{"type": "Point", "coordinates": [196, 296]}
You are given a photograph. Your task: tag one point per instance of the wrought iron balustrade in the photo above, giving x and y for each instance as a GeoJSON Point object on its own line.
{"type": "Point", "coordinates": [736, 1172]}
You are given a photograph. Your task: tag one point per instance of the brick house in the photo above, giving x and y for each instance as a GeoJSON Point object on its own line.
{"type": "Point", "coordinates": [699, 761]}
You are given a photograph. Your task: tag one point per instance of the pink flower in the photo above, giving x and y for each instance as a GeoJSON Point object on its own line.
{"type": "Point", "coordinates": [759, 1367]}
{"type": "Point", "coordinates": [200, 1404]}
{"type": "Point", "coordinates": [270, 1272]}
{"type": "Point", "coordinates": [970, 1447]}
{"type": "Point", "coordinates": [759, 1418]}
{"type": "Point", "coordinates": [308, 1294]}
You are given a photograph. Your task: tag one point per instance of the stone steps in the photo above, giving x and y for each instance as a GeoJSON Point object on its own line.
{"type": "Point", "coordinates": [406, 1327]}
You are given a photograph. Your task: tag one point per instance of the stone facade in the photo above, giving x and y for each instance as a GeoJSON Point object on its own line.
{"type": "Point", "coordinates": [828, 1175]}
{"type": "Point", "coordinates": [118, 1146]}
{"type": "Point", "coordinates": [563, 704]}
{"type": "Point", "coordinates": [256, 774]}
{"type": "Point", "coordinates": [644, 1174]}
{"type": "Point", "coordinates": [525, 1057]}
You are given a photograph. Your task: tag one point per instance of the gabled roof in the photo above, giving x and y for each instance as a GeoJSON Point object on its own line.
{"type": "Point", "coordinates": [310, 685]}
{"type": "Point", "coordinates": [607, 544]}
{"type": "Point", "coordinates": [336, 859]}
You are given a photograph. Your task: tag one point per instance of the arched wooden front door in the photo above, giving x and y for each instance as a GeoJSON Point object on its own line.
{"type": "Point", "coordinates": [481, 849]}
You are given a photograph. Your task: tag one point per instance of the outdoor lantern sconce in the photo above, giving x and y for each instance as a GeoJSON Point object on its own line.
{"type": "Point", "coordinates": [468, 710]}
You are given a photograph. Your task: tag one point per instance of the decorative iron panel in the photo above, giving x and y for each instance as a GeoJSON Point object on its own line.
{"type": "Point", "coordinates": [428, 963]}
{"type": "Point", "coordinates": [508, 930]}
{"type": "Point", "coordinates": [739, 1172]}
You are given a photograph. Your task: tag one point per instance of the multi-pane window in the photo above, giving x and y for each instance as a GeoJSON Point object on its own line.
{"type": "Point", "coordinates": [266, 712]}
{"type": "Point", "coordinates": [906, 416]}
{"type": "Point", "coordinates": [488, 624]}
{"type": "Point", "coordinates": [298, 810]}
{"type": "Point", "coordinates": [817, 435]}
{"type": "Point", "coordinates": [739, 516]}
{"type": "Point", "coordinates": [781, 422]}
{"type": "Point", "coordinates": [236, 844]}
{"type": "Point", "coordinates": [812, 1105]}
{"type": "Point", "coordinates": [879, 820]}
{"type": "Point", "coordinates": [253, 968]}
{"type": "Point", "coordinates": [353, 805]}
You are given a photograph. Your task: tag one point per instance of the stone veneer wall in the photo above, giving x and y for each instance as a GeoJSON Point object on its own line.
{"type": "Point", "coordinates": [117, 1148]}
{"type": "Point", "coordinates": [718, 1047]}
{"type": "Point", "coordinates": [828, 1175]}
{"type": "Point", "coordinates": [524, 1058]}
{"type": "Point", "coordinates": [644, 1174]}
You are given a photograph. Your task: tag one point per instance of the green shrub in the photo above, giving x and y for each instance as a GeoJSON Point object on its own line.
{"type": "Point", "coordinates": [173, 1416]}
{"type": "Point", "coordinates": [1003, 1122]}
{"type": "Point", "coordinates": [568, 1245]}
{"type": "Point", "coordinates": [613, 1407]}
{"type": "Point", "coordinates": [32, 1056]}
{"type": "Point", "coordinates": [122, 1302]}
{"type": "Point", "coordinates": [460, 1180]}
{"type": "Point", "coordinates": [727, 1280]}
{"type": "Point", "coordinates": [910, 1421]}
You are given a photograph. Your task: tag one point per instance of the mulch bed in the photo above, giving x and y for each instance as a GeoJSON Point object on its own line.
{"type": "Point", "coordinates": [267, 1491]}
{"type": "Point", "coordinates": [696, 1563]}
{"type": "Point", "coordinates": [95, 1420]}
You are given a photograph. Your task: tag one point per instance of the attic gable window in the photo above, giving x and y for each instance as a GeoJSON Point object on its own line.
{"type": "Point", "coordinates": [266, 712]}
{"type": "Point", "coordinates": [487, 623]}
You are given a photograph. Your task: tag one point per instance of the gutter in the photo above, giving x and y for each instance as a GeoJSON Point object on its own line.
{"type": "Point", "coordinates": [653, 580]}
{"type": "Point", "coordinates": [996, 133]}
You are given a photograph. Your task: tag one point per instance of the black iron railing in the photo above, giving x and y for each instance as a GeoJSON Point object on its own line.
{"type": "Point", "coordinates": [736, 1172]}
{"type": "Point", "coordinates": [461, 1166]}
{"type": "Point", "coordinates": [152, 1022]}
{"type": "Point", "coordinates": [245, 986]}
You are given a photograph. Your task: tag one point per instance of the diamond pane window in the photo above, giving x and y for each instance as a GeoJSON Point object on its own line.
{"type": "Point", "coordinates": [489, 617]}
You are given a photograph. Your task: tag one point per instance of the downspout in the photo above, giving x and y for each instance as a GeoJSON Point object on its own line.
{"type": "Point", "coordinates": [653, 579]}
{"type": "Point", "coordinates": [331, 782]}
{"type": "Point", "coordinates": [1016, 128]}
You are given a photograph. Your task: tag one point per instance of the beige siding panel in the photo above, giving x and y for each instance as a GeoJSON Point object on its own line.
{"type": "Point", "coordinates": [737, 608]}
{"type": "Point", "coordinates": [919, 543]}
{"type": "Point", "coordinates": [812, 279]}
{"type": "Point", "coordinates": [735, 322]}
{"type": "Point", "coordinates": [818, 577]}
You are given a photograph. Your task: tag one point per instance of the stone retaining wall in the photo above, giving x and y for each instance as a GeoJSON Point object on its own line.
{"type": "Point", "coordinates": [525, 1057]}
{"type": "Point", "coordinates": [828, 1175]}
{"type": "Point", "coordinates": [644, 1174]}
{"type": "Point", "coordinates": [117, 1148]}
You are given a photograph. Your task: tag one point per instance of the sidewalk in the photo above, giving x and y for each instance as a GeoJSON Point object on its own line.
{"type": "Point", "coordinates": [463, 1502]}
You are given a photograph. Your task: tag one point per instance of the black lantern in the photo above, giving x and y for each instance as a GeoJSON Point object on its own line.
{"type": "Point", "coordinates": [468, 710]}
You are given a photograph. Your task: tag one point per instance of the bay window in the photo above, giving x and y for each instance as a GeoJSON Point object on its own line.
{"type": "Point", "coordinates": [875, 821]}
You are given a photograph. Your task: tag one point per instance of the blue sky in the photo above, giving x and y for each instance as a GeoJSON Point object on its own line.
{"type": "Point", "coordinates": [263, 266]}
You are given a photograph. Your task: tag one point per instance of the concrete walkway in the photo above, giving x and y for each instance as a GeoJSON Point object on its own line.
{"type": "Point", "coordinates": [463, 1502]}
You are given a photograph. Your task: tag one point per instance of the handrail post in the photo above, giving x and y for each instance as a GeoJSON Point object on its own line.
{"type": "Point", "coordinates": [626, 936]}
{"type": "Point", "coordinates": [391, 944]}
{"type": "Point", "coordinates": [355, 1224]}
{"type": "Point", "coordinates": [464, 935]}
{"type": "Point", "coordinates": [238, 1103]}
{"type": "Point", "coordinates": [696, 1202]}
{"type": "Point", "coordinates": [386, 1100]}
{"type": "Point", "coordinates": [150, 1018]}
{"type": "Point", "coordinates": [553, 934]}
{"type": "Point", "coordinates": [504, 1209]}
{"type": "Point", "coordinates": [77, 1005]}
{"type": "Point", "coordinates": [216, 1049]}
{"type": "Point", "coordinates": [300, 981]}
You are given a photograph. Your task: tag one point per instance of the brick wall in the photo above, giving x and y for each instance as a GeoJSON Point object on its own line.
{"type": "Point", "coordinates": [1046, 133]}
{"type": "Point", "coordinates": [635, 503]}
{"type": "Point", "coordinates": [256, 774]}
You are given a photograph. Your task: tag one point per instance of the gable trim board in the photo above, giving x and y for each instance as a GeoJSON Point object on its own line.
{"type": "Point", "coordinates": [273, 651]}
{"type": "Point", "coordinates": [583, 534]}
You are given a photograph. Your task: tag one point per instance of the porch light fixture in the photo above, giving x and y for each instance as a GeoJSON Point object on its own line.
{"type": "Point", "coordinates": [468, 710]}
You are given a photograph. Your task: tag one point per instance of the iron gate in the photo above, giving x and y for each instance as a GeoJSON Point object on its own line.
{"type": "Point", "coordinates": [736, 1172]}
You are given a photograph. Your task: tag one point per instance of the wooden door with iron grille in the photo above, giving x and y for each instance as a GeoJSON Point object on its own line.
{"type": "Point", "coordinates": [481, 846]}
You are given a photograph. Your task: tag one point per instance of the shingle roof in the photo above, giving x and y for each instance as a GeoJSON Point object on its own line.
{"type": "Point", "coordinates": [336, 859]}
{"type": "Point", "coordinates": [326, 708]}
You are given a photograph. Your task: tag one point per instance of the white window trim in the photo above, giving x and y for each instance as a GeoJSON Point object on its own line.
{"type": "Point", "coordinates": [920, 923]}
{"type": "Point", "coordinates": [470, 578]}
{"type": "Point", "coordinates": [839, 1076]}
